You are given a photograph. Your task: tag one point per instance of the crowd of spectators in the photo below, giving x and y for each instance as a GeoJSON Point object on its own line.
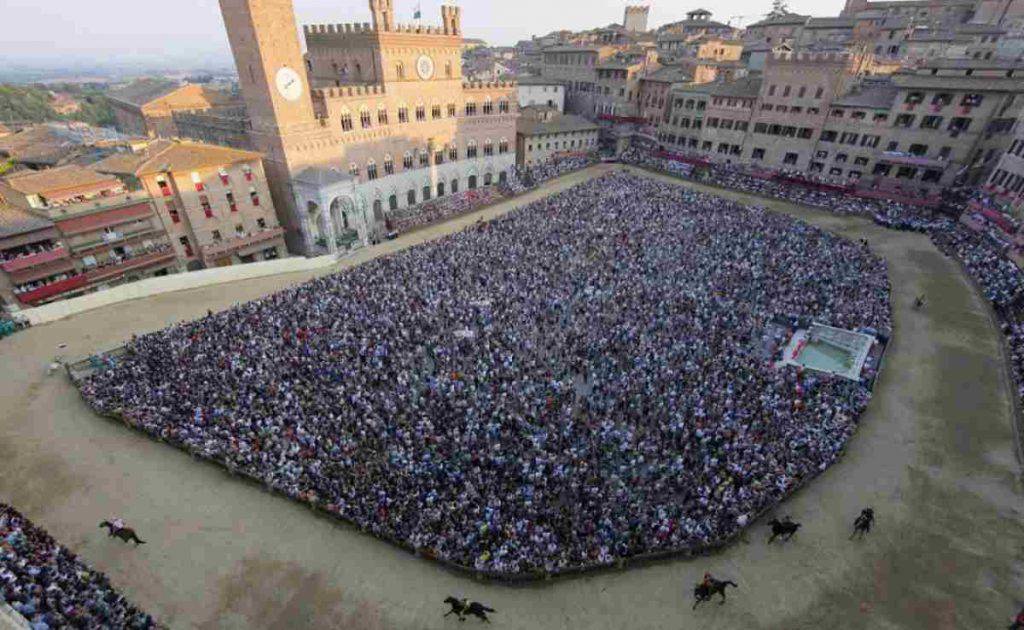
{"type": "Point", "coordinates": [581, 380]}
{"type": "Point", "coordinates": [529, 177]}
{"type": "Point", "coordinates": [442, 209]}
{"type": "Point", "coordinates": [982, 250]}
{"type": "Point", "coordinates": [48, 586]}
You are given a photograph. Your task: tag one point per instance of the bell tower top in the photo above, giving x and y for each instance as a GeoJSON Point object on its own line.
{"type": "Point", "coordinates": [383, 13]}
{"type": "Point", "coordinates": [451, 16]}
{"type": "Point", "coordinates": [271, 68]}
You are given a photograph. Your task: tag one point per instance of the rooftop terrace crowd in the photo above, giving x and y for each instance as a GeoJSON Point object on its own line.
{"type": "Point", "coordinates": [48, 586]}
{"type": "Point", "coordinates": [581, 380]}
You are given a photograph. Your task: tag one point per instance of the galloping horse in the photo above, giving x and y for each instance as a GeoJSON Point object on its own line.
{"type": "Point", "coordinates": [784, 528]}
{"type": "Point", "coordinates": [126, 534]}
{"type": "Point", "coordinates": [462, 607]}
{"type": "Point", "coordinates": [704, 591]}
{"type": "Point", "coordinates": [862, 524]}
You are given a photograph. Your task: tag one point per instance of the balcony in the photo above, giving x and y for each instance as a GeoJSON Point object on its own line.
{"type": "Point", "coordinates": [216, 250]}
{"type": "Point", "coordinates": [24, 262]}
{"type": "Point", "coordinates": [56, 288]}
{"type": "Point", "coordinates": [112, 270]}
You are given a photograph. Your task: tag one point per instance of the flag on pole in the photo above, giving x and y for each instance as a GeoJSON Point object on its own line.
{"type": "Point", "coordinates": [418, 14]}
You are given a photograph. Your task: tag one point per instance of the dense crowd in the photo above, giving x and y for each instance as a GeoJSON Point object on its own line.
{"type": "Point", "coordinates": [48, 586]}
{"type": "Point", "coordinates": [442, 209]}
{"type": "Point", "coordinates": [581, 380]}
{"type": "Point", "coordinates": [983, 253]}
{"type": "Point", "coordinates": [526, 178]}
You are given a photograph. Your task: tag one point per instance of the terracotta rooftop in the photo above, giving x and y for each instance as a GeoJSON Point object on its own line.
{"type": "Point", "coordinates": [144, 91]}
{"type": "Point", "coordinates": [14, 221]}
{"type": "Point", "coordinates": [173, 156]}
{"type": "Point", "coordinates": [58, 179]}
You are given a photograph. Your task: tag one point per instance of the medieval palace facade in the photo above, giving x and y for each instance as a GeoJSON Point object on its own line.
{"type": "Point", "coordinates": [374, 118]}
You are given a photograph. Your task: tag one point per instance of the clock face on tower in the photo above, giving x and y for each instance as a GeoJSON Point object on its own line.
{"type": "Point", "coordinates": [289, 84]}
{"type": "Point", "coordinates": [425, 67]}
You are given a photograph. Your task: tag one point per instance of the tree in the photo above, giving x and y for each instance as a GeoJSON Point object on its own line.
{"type": "Point", "coordinates": [779, 8]}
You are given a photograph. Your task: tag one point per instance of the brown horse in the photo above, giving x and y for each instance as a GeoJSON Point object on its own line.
{"type": "Point", "coordinates": [703, 592]}
{"type": "Point", "coordinates": [126, 534]}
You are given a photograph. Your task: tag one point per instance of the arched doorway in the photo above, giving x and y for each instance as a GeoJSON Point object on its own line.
{"type": "Point", "coordinates": [455, 185]}
{"type": "Point", "coordinates": [393, 202]}
{"type": "Point", "coordinates": [343, 211]}
{"type": "Point", "coordinates": [472, 182]}
{"type": "Point", "coordinates": [440, 189]}
{"type": "Point", "coordinates": [488, 179]}
{"type": "Point", "coordinates": [503, 177]}
{"type": "Point", "coordinates": [378, 210]}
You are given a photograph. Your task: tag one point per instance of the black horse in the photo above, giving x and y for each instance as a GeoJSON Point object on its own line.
{"type": "Point", "coordinates": [862, 524]}
{"type": "Point", "coordinates": [704, 591]}
{"type": "Point", "coordinates": [784, 528]}
{"type": "Point", "coordinates": [462, 607]}
{"type": "Point", "coordinates": [919, 302]}
{"type": "Point", "coordinates": [126, 534]}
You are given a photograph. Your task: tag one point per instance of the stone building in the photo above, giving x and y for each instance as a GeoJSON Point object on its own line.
{"type": "Point", "coordinates": [29, 247]}
{"type": "Point", "coordinates": [618, 83]}
{"type": "Point", "coordinates": [776, 29]}
{"type": "Point", "coordinates": [533, 91]}
{"type": "Point", "coordinates": [373, 118]}
{"type": "Point", "coordinates": [935, 13]}
{"type": "Point", "coordinates": [698, 23]}
{"type": "Point", "coordinates": [213, 201]}
{"type": "Point", "coordinates": [146, 108]}
{"type": "Point", "coordinates": [543, 134]}
{"type": "Point", "coordinates": [107, 234]}
{"type": "Point", "coordinates": [654, 91]}
{"type": "Point", "coordinates": [1007, 180]}
{"type": "Point", "coordinates": [576, 68]}
{"type": "Point", "coordinates": [635, 19]}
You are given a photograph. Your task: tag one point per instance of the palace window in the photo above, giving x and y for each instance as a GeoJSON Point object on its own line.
{"type": "Point", "coordinates": [488, 148]}
{"type": "Point", "coordinates": [439, 156]}
{"type": "Point", "coordinates": [407, 161]}
{"type": "Point", "coordinates": [172, 210]}
{"type": "Point", "coordinates": [421, 113]}
{"type": "Point", "coordinates": [410, 197]}
{"type": "Point", "coordinates": [353, 169]}
{"type": "Point", "coordinates": [403, 114]}
{"type": "Point", "coordinates": [448, 69]}
{"type": "Point", "coordinates": [488, 107]}
{"type": "Point", "coordinates": [371, 170]}
{"type": "Point", "coordinates": [389, 165]}
{"type": "Point", "coordinates": [400, 70]}
{"type": "Point", "coordinates": [471, 149]}
{"type": "Point", "coordinates": [435, 112]}
{"type": "Point", "coordinates": [424, 158]}
{"type": "Point", "coordinates": [165, 188]}
{"type": "Point", "coordinates": [346, 122]}
{"type": "Point", "coordinates": [247, 171]}
{"type": "Point", "coordinates": [382, 116]}
{"type": "Point", "coordinates": [453, 153]}
{"type": "Point", "coordinates": [503, 106]}
{"type": "Point", "coordinates": [503, 146]}
{"type": "Point", "coordinates": [451, 110]}
{"type": "Point", "coordinates": [364, 119]}
{"type": "Point", "coordinates": [471, 109]}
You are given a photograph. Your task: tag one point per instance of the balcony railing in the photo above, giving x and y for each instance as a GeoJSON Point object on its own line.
{"type": "Point", "coordinates": [24, 262]}
{"type": "Point", "coordinates": [52, 289]}
{"type": "Point", "coordinates": [219, 249]}
{"type": "Point", "coordinates": [115, 269]}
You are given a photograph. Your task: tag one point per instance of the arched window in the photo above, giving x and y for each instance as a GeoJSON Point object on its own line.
{"type": "Point", "coordinates": [364, 118]}
{"type": "Point", "coordinates": [488, 179]}
{"type": "Point", "coordinates": [503, 146]}
{"type": "Point", "coordinates": [400, 70]}
{"type": "Point", "coordinates": [353, 169]}
{"type": "Point", "coordinates": [421, 113]}
{"type": "Point", "coordinates": [403, 114]}
{"type": "Point", "coordinates": [426, 192]}
{"type": "Point", "coordinates": [371, 170]}
{"type": "Point", "coordinates": [410, 197]}
{"type": "Point", "coordinates": [455, 185]}
{"type": "Point", "coordinates": [488, 147]}
{"type": "Point", "coordinates": [393, 202]}
{"type": "Point", "coordinates": [424, 158]}
{"type": "Point", "coordinates": [435, 111]}
{"type": "Point", "coordinates": [503, 177]}
{"type": "Point", "coordinates": [472, 182]}
{"type": "Point", "coordinates": [440, 189]}
{"type": "Point", "coordinates": [451, 110]}
{"type": "Point", "coordinates": [471, 108]}
{"type": "Point", "coordinates": [382, 115]}
{"type": "Point", "coordinates": [488, 106]}
{"type": "Point", "coordinates": [346, 121]}
{"type": "Point", "coordinates": [407, 160]}
{"type": "Point", "coordinates": [503, 106]}
{"type": "Point", "coordinates": [471, 149]}
{"type": "Point", "coordinates": [389, 165]}
{"type": "Point", "coordinates": [448, 69]}
{"type": "Point", "coordinates": [453, 153]}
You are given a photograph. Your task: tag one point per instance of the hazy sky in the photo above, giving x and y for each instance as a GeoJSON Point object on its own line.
{"type": "Point", "coordinates": [76, 32]}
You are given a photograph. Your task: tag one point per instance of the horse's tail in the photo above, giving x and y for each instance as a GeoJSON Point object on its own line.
{"type": "Point", "coordinates": [730, 583]}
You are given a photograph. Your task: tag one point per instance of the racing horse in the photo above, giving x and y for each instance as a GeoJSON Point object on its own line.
{"type": "Point", "coordinates": [126, 534]}
{"type": "Point", "coordinates": [707, 589]}
{"type": "Point", "coordinates": [862, 524]}
{"type": "Point", "coordinates": [463, 607]}
{"type": "Point", "coordinates": [785, 529]}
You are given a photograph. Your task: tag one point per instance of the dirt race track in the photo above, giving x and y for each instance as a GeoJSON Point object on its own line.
{"type": "Point", "coordinates": [934, 456]}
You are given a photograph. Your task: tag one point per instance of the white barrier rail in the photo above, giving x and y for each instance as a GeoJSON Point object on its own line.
{"type": "Point", "coordinates": [169, 284]}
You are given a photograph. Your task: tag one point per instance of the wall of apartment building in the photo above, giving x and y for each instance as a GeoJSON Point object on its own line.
{"type": "Point", "coordinates": [654, 100]}
{"type": "Point", "coordinates": [682, 130]}
{"type": "Point", "coordinates": [796, 92]}
{"type": "Point", "coordinates": [618, 91]}
{"type": "Point", "coordinates": [183, 215]}
{"type": "Point", "coordinates": [726, 126]}
{"type": "Point", "coordinates": [552, 95]}
{"type": "Point", "coordinates": [578, 71]}
{"type": "Point", "coordinates": [850, 143]}
{"type": "Point", "coordinates": [543, 147]}
{"type": "Point", "coordinates": [1007, 179]}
